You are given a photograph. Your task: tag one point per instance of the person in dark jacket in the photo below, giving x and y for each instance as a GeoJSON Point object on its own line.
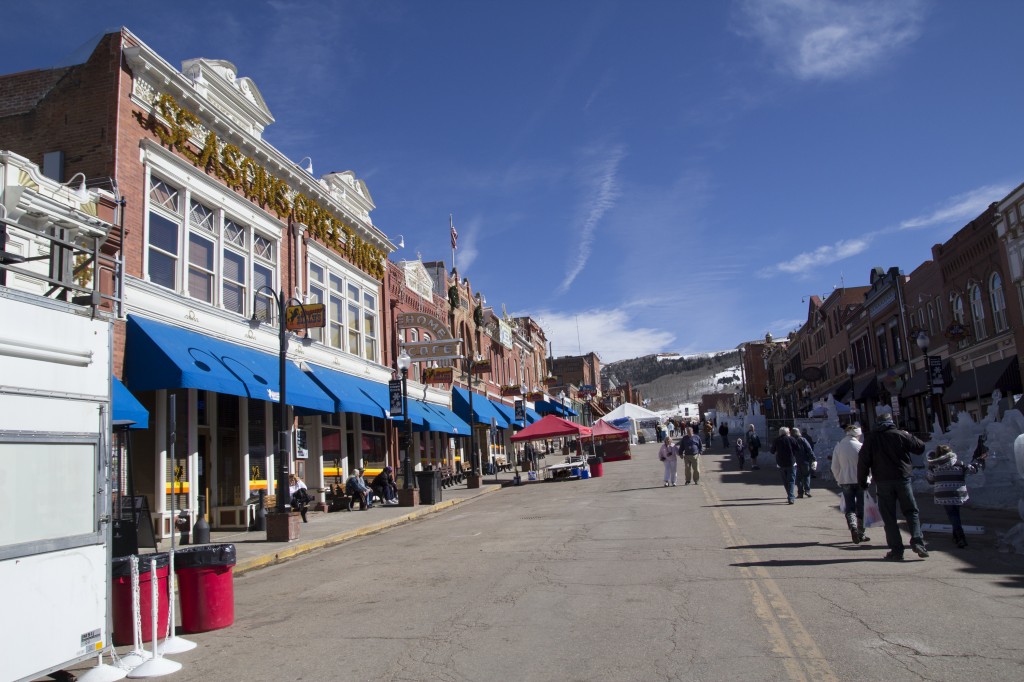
{"type": "Point", "coordinates": [886, 457]}
{"type": "Point", "coordinates": [723, 431]}
{"type": "Point", "coordinates": [804, 464]}
{"type": "Point", "coordinates": [785, 449]}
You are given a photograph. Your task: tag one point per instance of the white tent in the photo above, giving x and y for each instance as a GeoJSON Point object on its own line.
{"type": "Point", "coordinates": [635, 419]}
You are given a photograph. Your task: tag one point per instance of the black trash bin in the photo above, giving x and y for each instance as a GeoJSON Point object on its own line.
{"type": "Point", "coordinates": [206, 586]}
{"type": "Point", "coordinates": [430, 486]}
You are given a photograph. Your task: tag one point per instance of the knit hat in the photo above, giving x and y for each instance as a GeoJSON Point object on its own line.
{"type": "Point", "coordinates": [883, 412]}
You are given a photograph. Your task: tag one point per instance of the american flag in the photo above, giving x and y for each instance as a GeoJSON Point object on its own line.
{"type": "Point", "coordinates": [455, 235]}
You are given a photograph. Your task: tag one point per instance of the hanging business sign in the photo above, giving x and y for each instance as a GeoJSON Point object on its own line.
{"type": "Point", "coordinates": [481, 367]}
{"type": "Point", "coordinates": [956, 332]}
{"type": "Point", "coordinates": [535, 396]}
{"type": "Point", "coordinates": [811, 374]}
{"type": "Point", "coordinates": [520, 411]}
{"type": "Point", "coordinates": [298, 317]}
{"type": "Point", "coordinates": [437, 375]}
{"type": "Point", "coordinates": [507, 391]}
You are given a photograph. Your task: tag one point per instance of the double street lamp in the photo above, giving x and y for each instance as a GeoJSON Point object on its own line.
{"type": "Point", "coordinates": [283, 455]}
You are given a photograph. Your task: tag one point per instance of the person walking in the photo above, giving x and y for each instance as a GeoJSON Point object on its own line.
{"type": "Point", "coordinates": [844, 470]}
{"type": "Point", "coordinates": [753, 446]}
{"type": "Point", "coordinates": [709, 430]}
{"type": "Point", "coordinates": [885, 456]}
{"type": "Point", "coordinates": [723, 431]}
{"type": "Point", "coordinates": [949, 478]}
{"type": "Point", "coordinates": [669, 454]}
{"type": "Point", "coordinates": [741, 451]}
{"type": "Point", "coordinates": [785, 447]}
{"type": "Point", "coordinates": [805, 463]}
{"type": "Point", "coordinates": [691, 446]}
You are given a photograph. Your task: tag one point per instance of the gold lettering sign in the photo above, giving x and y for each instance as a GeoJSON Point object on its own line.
{"type": "Point", "coordinates": [247, 177]}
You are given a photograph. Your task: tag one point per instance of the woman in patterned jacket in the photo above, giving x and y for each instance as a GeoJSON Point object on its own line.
{"type": "Point", "coordinates": [949, 478]}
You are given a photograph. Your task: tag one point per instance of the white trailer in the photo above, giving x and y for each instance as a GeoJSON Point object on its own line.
{"type": "Point", "coordinates": [55, 424]}
{"type": "Point", "coordinates": [54, 421]}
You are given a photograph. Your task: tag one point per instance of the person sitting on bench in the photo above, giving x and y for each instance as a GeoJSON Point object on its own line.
{"type": "Point", "coordinates": [300, 495]}
{"type": "Point", "coordinates": [385, 487]}
{"type": "Point", "coordinates": [357, 488]}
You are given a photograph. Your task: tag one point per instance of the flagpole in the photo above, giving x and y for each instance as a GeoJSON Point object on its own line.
{"type": "Point", "coordinates": [454, 236]}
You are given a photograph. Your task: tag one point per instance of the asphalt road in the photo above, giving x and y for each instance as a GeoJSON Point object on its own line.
{"type": "Point", "coordinates": [620, 578]}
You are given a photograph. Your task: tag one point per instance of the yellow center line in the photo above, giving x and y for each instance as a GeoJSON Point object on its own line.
{"type": "Point", "coordinates": [789, 638]}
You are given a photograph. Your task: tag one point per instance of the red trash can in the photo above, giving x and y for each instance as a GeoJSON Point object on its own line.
{"type": "Point", "coordinates": [121, 598]}
{"type": "Point", "coordinates": [596, 466]}
{"type": "Point", "coordinates": [206, 587]}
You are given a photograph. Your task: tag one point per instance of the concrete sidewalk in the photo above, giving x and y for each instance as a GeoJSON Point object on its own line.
{"type": "Point", "coordinates": [326, 529]}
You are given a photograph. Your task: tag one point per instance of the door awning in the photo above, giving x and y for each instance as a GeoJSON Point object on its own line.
{"type": "Point", "coordinates": [128, 412]}
{"type": "Point", "coordinates": [865, 388]}
{"type": "Point", "coordinates": [553, 407]}
{"type": "Point", "coordinates": [350, 393]}
{"type": "Point", "coordinates": [443, 420]}
{"type": "Point", "coordinates": [508, 412]}
{"type": "Point", "coordinates": [163, 356]}
{"type": "Point", "coordinates": [483, 409]}
{"type": "Point", "coordinates": [532, 415]}
{"type": "Point", "coordinates": [1003, 374]}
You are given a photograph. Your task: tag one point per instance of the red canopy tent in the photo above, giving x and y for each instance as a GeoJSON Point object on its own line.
{"type": "Point", "coordinates": [613, 442]}
{"type": "Point", "coordinates": [551, 427]}
{"type": "Point", "coordinates": [605, 430]}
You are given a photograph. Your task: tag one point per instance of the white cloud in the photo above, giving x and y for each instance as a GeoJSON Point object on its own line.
{"type": "Point", "coordinates": [830, 39]}
{"type": "Point", "coordinates": [611, 333]}
{"type": "Point", "coordinates": [823, 255]}
{"type": "Point", "coordinates": [602, 190]}
{"type": "Point", "coordinates": [960, 209]}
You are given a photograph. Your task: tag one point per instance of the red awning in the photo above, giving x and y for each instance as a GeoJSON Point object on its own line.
{"type": "Point", "coordinates": [606, 430]}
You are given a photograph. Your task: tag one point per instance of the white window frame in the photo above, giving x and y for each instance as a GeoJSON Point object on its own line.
{"type": "Point", "coordinates": [366, 291]}
{"type": "Point", "coordinates": [977, 312]}
{"type": "Point", "coordinates": [162, 165]}
{"type": "Point", "coordinates": [997, 296]}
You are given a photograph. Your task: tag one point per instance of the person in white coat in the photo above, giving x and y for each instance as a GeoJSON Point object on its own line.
{"type": "Point", "coordinates": [669, 454]}
{"type": "Point", "coordinates": [844, 469]}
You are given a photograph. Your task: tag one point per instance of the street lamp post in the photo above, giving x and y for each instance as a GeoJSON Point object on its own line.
{"type": "Point", "coordinates": [283, 454]}
{"type": "Point", "coordinates": [850, 371]}
{"type": "Point", "coordinates": [934, 402]}
{"type": "Point", "coordinates": [405, 449]}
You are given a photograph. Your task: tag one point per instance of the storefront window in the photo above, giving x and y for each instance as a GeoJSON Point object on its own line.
{"type": "Point", "coordinates": [373, 446]}
{"type": "Point", "coordinates": [257, 445]}
{"type": "Point", "coordinates": [998, 302]}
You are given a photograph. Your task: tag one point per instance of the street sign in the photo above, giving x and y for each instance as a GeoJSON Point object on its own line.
{"type": "Point", "coordinates": [395, 397]}
{"type": "Point", "coordinates": [298, 317]}
{"type": "Point", "coordinates": [935, 377]}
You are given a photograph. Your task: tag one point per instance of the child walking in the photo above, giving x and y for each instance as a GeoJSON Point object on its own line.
{"type": "Point", "coordinates": [949, 478]}
{"type": "Point", "coordinates": [741, 452]}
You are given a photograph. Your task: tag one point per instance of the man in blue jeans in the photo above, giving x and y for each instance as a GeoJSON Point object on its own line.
{"type": "Point", "coordinates": [886, 457]}
{"type": "Point", "coordinates": [785, 449]}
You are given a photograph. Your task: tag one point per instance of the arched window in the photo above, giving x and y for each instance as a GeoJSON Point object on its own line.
{"type": "Point", "coordinates": [998, 299]}
{"type": "Point", "coordinates": [977, 311]}
{"type": "Point", "coordinates": [956, 304]}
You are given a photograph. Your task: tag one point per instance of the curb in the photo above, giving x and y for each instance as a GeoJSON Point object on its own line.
{"type": "Point", "coordinates": [292, 551]}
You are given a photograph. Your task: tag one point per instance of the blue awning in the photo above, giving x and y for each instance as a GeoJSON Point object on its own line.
{"type": "Point", "coordinates": [127, 410]}
{"type": "Point", "coordinates": [162, 356]}
{"type": "Point", "coordinates": [532, 415]}
{"type": "Point", "coordinates": [506, 411]}
{"type": "Point", "coordinates": [350, 393]}
{"type": "Point", "coordinates": [445, 421]}
{"type": "Point", "coordinates": [483, 409]}
{"type": "Point", "coordinates": [552, 407]}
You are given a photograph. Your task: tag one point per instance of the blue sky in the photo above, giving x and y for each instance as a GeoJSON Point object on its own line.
{"type": "Point", "coordinates": [639, 176]}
